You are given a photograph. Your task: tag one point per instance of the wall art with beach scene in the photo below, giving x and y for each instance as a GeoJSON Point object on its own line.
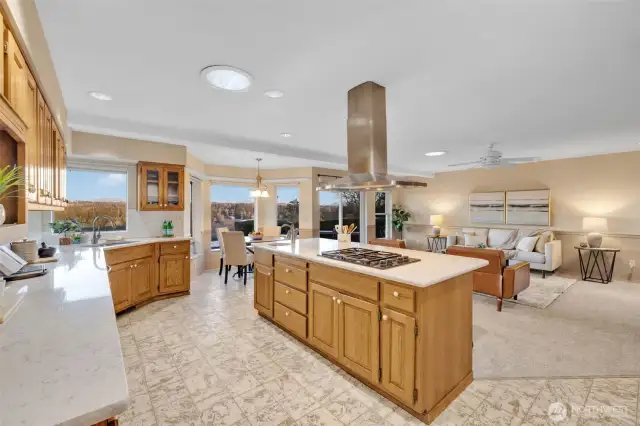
{"type": "Point", "coordinates": [528, 208]}
{"type": "Point", "coordinates": [486, 207]}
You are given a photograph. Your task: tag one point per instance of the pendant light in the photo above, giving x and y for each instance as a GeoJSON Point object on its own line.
{"type": "Point", "coordinates": [260, 190]}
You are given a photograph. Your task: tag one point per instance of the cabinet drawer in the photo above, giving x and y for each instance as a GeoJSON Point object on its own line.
{"type": "Point", "coordinates": [125, 254]}
{"type": "Point", "coordinates": [291, 298]}
{"type": "Point", "coordinates": [398, 297]}
{"type": "Point", "coordinates": [291, 275]}
{"type": "Point", "coordinates": [263, 257]}
{"type": "Point", "coordinates": [292, 321]}
{"type": "Point", "coordinates": [300, 263]}
{"type": "Point", "coordinates": [349, 282]}
{"type": "Point", "coordinates": [179, 247]}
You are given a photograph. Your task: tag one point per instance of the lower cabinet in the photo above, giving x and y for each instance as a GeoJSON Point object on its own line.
{"type": "Point", "coordinates": [120, 282]}
{"type": "Point", "coordinates": [358, 325]}
{"type": "Point", "coordinates": [263, 290]}
{"type": "Point", "coordinates": [142, 279]}
{"type": "Point", "coordinates": [323, 318]}
{"type": "Point", "coordinates": [174, 273]}
{"type": "Point", "coordinates": [398, 354]}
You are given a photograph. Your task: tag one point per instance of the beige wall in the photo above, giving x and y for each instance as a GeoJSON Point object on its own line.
{"type": "Point", "coordinates": [602, 186]}
{"type": "Point", "coordinates": [24, 15]}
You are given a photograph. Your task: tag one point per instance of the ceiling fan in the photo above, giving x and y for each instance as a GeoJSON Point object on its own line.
{"type": "Point", "coordinates": [493, 159]}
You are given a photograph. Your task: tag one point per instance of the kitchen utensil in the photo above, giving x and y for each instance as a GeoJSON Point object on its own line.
{"type": "Point", "coordinates": [345, 228]}
{"type": "Point", "coordinates": [354, 229]}
{"type": "Point", "coordinates": [351, 228]}
{"type": "Point", "coordinates": [26, 249]}
{"type": "Point", "coordinates": [45, 251]}
{"type": "Point", "coordinates": [344, 238]}
{"type": "Point", "coordinates": [337, 228]}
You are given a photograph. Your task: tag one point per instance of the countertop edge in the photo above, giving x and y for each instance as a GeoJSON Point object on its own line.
{"type": "Point", "coordinates": [143, 242]}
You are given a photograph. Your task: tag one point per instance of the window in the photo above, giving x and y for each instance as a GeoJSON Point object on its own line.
{"type": "Point", "coordinates": [96, 193]}
{"type": "Point", "coordinates": [383, 215]}
{"type": "Point", "coordinates": [231, 207]}
{"type": "Point", "coordinates": [351, 212]}
{"type": "Point", "coordinates": [288, 205]}
{"type": "Point", "coordinates": [329, 214]}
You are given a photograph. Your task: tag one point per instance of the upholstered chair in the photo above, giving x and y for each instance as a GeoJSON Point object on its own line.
{"type": "Point", "coordinates": [219, 232]}
{"type": "Point", "coordinates": [235, 254]}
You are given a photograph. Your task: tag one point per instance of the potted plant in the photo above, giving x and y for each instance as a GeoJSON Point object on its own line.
{"type": "Point", "coordinates": [64, 227]}
{"type": "Point", "coordinates": [398, 217]}
{"type": "Point", "coordinates": [11, 179]}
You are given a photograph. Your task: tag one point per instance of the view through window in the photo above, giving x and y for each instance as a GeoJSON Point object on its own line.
{"type": "Point", "coordinates": [383, 215]}
{"type": "Point", "coordinates": [288, 206]}
{"type": "Point", "coordinates": [329, 214]}
{"type": "Point", "coordinates": [96, 193]}
{"type": "Point", "coordinates": [231, 207]}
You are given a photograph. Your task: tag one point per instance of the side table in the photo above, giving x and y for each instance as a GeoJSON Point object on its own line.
{"type": "Point", "coordinates": [596, 259]}
{"type": "Point", "coordinates": [436, 244]}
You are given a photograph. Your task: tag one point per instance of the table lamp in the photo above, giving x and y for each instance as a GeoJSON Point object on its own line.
{"type": "Point", "coordinates": [435, 220]}
{"type": "Point", "coordinates": [594, 225]}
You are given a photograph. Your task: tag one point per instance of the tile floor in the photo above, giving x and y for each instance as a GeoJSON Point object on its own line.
{"type": "Point", "coordinates": [208, 359]}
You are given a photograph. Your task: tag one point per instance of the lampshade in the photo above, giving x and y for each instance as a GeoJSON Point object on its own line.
{"type": "Point", "coordinates": [594, 224]}
{"type": "Point", "coordinates": [435, 219]}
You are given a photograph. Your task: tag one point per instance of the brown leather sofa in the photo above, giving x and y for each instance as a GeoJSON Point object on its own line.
{"type": "Point", "coordinates": [496, 279]}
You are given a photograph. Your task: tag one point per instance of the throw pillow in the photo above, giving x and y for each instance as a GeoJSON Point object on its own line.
{"type": "Point", "coordinates": [474, 240]}
{"type": "Point", "coordinates": [527, 243]}
{"type": "Point", "coordinates": [545, 237]}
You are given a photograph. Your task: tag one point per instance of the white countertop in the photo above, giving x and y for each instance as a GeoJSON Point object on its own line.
{"type": "Point", "coordinates": [432, 268]}
{"type": "Point", "coordinates": [60, 356]}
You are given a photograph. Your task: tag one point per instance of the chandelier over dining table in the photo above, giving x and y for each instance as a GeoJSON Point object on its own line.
{"type": "Point", "coordinates": [260, 190]}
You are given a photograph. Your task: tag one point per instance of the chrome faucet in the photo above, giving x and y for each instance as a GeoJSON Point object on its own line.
{"type": "Point", "coordinates": [96, 237]}
{"type": "Point", "coordinates": [292, 232]}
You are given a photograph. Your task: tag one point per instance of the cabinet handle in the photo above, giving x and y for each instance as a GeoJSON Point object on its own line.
{"type": "Point", "coordinates": [287, 270]}
{"type": "Point", "coordinates": [287, 292]}
{"type": "Point", "coordinates": [338, 301]}
{"type": "Point", "coordinates": [286, 314]}
{"type": "Point", "coordinates": [396, 294]}
{"type": "Point", "coordinates": [385, 317]}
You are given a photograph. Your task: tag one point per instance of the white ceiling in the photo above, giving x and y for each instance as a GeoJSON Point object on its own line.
{"type": "Point", "coordinates": [547, 78]}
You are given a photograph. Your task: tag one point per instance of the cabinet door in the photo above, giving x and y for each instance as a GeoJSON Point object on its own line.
{"type": "Point", "coordinates": [120, 282]}
{"type": "Point", "coordinates": [174, 188]}
{"type": "Point", "coordinates": [48, 159]}
{"type": "Point", "coordinates": [174, 273]}
{"type": "Point", "coordinates": [41, 130]}
{"type": "Point", "coordinates": [33, 152]}
{"type": "Point", "coordinates": [151, 180]}
{"type": "Point", "coordinates": [263, 290]}
{"type": "Point", "coordinates": [323, 318]}
{"type": "Point", "coordinates": [359, 337]}
{"type": "Point", "coordinates": [142, 279]}
{"type": "Point", "coordinates": [55, 155]}
{"type": "Point", "coordinates": [15, 86]}
{"type": "Point", "coordinates": [398, 347]}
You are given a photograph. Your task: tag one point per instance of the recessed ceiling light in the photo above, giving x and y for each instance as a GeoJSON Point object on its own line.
{"type": "Point", "coordinates": [286, 135]}
{"type": "Point", "coordinates": [435, 153]}
{"type": "Point", "coordinates": [275, 94]}
{"type": "Point", "coordinates": [100, 96]}
{"type": "Point", "coordinates": [227, 78]}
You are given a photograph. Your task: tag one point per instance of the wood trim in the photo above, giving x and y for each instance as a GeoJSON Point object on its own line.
{"type": "Point", "coordinates": [344, 281]}
{"type": "Point", "coordinates": [442, 405]}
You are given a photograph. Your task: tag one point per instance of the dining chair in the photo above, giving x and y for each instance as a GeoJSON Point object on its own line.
{"type": "Point", "coordinates": [388, 243]}
{"type": "Point", "coordinates": [235, 254]}
{"type": "Point", "coordinates": [271, 231]}
{"type": "Point", "coordinates": [219, 232]}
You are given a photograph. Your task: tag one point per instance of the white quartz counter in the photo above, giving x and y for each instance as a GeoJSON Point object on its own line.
{"type": "Point", "coordinates": [60, 356]}
{"type": "Point", "coordinates": [432, 268]}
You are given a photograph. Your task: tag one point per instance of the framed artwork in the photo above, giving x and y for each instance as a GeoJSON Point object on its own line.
{"type": "Point", "coordinates": [528, 208]}
{"type": "Point", "coordinates": [486, 207]}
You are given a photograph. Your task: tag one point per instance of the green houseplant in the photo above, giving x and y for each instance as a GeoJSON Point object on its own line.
{"type": "Point", "coordinates": [398, 216]}
{"type": "Point", "coordinates": [65, 226]}
{"type": "Point", "coordinates": [11, 179]}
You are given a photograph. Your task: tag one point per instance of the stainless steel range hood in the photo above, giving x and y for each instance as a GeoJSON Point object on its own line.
{"type": "Point", "coordinates": [367, 145]}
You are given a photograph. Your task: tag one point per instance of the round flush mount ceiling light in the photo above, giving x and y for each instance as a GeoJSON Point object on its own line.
{"type": "Point", "coordinates": [274, 94]}
{"type": "Point", "coordinates": [286, 135]}
{"type": "Point", "coordinates": [227, 78]}
{"type": "Point", "coordinates": [435, 153]}
{"type": "Point", "coordinates": [100, 96]}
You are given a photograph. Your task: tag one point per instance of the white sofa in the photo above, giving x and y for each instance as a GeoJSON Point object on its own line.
{"type": "Point", "coordinates": [546, 257]}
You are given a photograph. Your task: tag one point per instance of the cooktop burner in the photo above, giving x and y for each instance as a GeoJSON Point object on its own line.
{"type": "Point", "coordinates": [367, 257]}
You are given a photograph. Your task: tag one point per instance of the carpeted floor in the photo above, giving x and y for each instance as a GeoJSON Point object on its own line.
{"type": "Point", "coordinates": [590, 330]}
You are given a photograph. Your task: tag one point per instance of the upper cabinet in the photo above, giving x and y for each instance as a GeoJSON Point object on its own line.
{"type": "Point", "coordinates": [160, 187]}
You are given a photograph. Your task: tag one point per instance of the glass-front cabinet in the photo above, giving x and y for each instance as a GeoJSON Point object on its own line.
{"type": "Point", "coordinates": [161, 187]}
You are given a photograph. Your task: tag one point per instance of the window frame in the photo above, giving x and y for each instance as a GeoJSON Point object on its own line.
{"type": "Point", "coordinates": [215, 243]}
{"type": "Point", "coordinates": [388, 209]}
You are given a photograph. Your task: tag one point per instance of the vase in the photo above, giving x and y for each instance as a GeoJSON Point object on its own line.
{"type": "Point", "coordinates": [3, 214]}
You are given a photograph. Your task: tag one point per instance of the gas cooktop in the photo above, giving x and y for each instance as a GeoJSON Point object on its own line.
{"type": "Point", "coordinates": [366, 257]}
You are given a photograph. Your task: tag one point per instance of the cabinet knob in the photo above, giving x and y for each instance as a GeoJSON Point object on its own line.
{"type": "Point", "coordinates": [396, 294]}
{"type": "Point", "coordinates": [334, 298]}
{"type": "Point", "coordinates": [287, 292]}
{"type": "Point", "coordinates": [130, 266]}
{"type": "Point", "coordinates": [286, 314]}
{"type": "Point", "coordinates": [287, 270]}
{"type": "Point", "coordinates": [385, 317]}
{"type": "Point", "coordinates": [175, 246]}
{"type": "Point", "coordinates": [338, 301]}
{"type": "Point", "coordinates": [186, 257]}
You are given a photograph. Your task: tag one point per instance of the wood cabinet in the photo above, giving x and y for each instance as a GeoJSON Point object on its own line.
{"type": "Point", "coordinates": [141, 273]}
{"type": "Point", "coordinates": [160, 187]}
{"type": "Point", "coordinates": [15, 75]}
{"type": "Point", "coordinates": [323, 318]}
{"type": "Point", "coordinates": [174, 273]}
{"type": "Point", "coordinates": [398, 354]}
{"type": "Point", "coordinates": [263, 290]}
{"type": "Point", "coordinates": [33, 147]}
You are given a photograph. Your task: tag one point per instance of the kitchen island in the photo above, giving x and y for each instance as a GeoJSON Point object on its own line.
{"type": "Point", "coordinates": [60, 357]}
{"type": "Point", "coordinates": [405, 331]}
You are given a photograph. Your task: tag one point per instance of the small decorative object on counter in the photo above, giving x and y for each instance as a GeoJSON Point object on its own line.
{"type": "Point", "coordinates": [255, 235]}
{"type": "Point", "coordinates": [11, 178]}
{"type": "Point", "coordinates": [45, 251]}
{"type": "Point", "coordinates": [26, 249]}
{"type": "Point", "coordinates": [164, 228]}
{"type": "Point", "coordinates": [481, 245]}
{"type": "Point", "coordinates": [170, 229]}
{"type": "Point", "coordinates": [64, 227]}
{"type": "Point", "coordinates": [344, 234]}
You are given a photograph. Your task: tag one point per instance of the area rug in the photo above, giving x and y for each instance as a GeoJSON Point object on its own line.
{"type": "Point", "coordinates": [543, 291]}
